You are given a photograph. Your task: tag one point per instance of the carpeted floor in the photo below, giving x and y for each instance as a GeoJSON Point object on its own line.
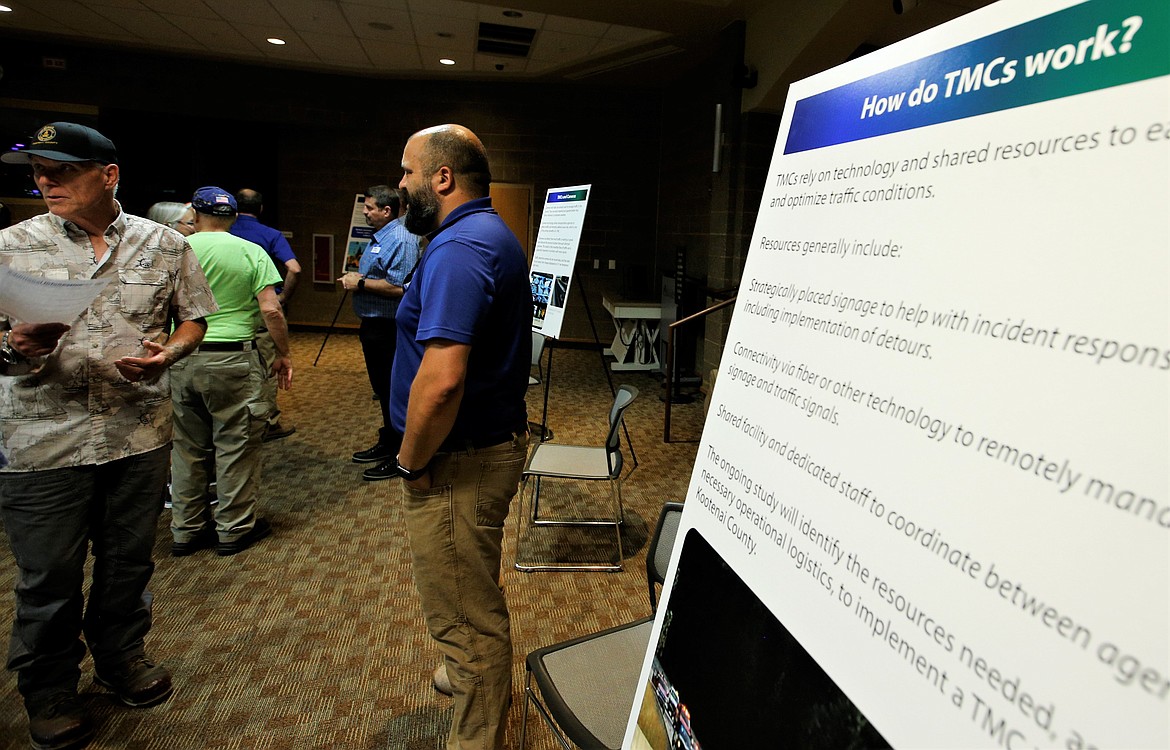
{"type": "Point", "coordinates": [313, 638]}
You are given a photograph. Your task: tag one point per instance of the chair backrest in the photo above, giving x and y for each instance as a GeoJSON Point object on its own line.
{"type": "Point", "coordinates": [661, 544]}
{"type": "Point", "coordinates": [621, 401]}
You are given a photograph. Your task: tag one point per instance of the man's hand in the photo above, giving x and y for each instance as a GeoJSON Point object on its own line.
{"type": "Point", "coordinates": [422, 483]}
{"type": "Point", "coordinates": [36, 339]}
{"type": "Point", "coordinates": [282, 370]}
{"type": "Point", "coordinates": [149, 368]}
{"type": "Point", "coordinates": [350, 281]}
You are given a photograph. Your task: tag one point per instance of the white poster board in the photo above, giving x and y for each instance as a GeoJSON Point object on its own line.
{"type": "Point", "coordinates": [359, 236]}
{"type": "Point", "coordinates": [938, 444]}
{"type": "Point", "coordinates": [555, 254]}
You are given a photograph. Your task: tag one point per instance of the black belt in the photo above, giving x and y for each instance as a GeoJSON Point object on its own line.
{"type": "Point", "coordinates": [226, 346]}
{"type": "Point", "coordinates": [455, 445]}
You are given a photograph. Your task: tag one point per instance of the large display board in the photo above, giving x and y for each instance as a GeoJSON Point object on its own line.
{"type": "Point", "coordinates": [938, 444]}
{"type": "Point", "coordinates": [555, 255]}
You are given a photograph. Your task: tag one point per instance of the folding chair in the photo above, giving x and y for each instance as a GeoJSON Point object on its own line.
{"type": "Point", "coordinates": [584, 687]}
{"type": "Point", "coordinates": [584, 463]}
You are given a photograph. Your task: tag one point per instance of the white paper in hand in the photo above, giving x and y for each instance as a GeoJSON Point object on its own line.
{"type": "Point", "coordinates": [32, 299]}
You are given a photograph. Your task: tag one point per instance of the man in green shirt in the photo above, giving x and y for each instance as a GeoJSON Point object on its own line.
{"type": "Point", "coordinates": [220, 413]}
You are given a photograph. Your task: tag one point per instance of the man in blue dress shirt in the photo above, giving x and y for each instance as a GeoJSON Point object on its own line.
{"type": "Point", "coordinates": [377, 286]}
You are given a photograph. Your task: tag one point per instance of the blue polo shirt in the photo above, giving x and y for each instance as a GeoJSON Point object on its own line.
{"type": "Point", "coordinates": [470, 287]}
{"type": "Point", "coordinates": [273, 242]}
{"type": "Point", "coordinates": [391, 255]}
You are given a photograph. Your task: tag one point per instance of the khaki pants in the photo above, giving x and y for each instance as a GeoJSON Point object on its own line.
{"type": "Point", "coordinates": [456, 532]}
{"type": "Point", "coordinates": [267, 349]}
{"type": "Point", "coordinates": [219, 421]}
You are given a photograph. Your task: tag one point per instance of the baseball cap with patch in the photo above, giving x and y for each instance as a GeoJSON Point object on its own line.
{"type": "Point", "coordinates": [215, 201]}
{"type": "Point", "coordinates": [66, 141]}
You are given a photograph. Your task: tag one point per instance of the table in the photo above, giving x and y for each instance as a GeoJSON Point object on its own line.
{"type": "Point", "coordinates": [635, 341]}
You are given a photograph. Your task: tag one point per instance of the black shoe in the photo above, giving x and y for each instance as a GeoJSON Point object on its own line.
{"type": "Point", "coordinates": [137, 683]}
{"type": "Point", "coordinates": [375, 454]}
{"type": "Point", "coordinates": [260, 531]}
{"type": "Point", "coordinates": [384, 470]}
{"type": "Point", "coordinates": [205, 539]}
{"type": "Point", "coordinates": [59, 721]}
{"type": "Point", "coordinates": [276, 431]}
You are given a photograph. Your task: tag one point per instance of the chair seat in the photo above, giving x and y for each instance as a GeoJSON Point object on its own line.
{"type": "Point", "coordinates": [569, 461]}
{"type": "Point", "coordinates": [587, 683]}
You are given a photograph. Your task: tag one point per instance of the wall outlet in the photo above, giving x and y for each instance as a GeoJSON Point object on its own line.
{"type": "Point", "coordinates": [596, 264]}
{"type": "Point", "coordinates": [612, 264]}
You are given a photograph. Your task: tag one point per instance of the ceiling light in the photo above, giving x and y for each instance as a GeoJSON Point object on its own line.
{"type": "Point", "coordinates": [5, 9]}
{"type": "Point", "coordinates": [446, 61]}
{"type": "Point", "coordinates": [276, 41]}
{"type": "Point", "coordinates": [513, 14]}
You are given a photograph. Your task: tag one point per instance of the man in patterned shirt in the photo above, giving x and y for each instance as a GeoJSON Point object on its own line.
{"type": "Point", "coordinates": [85, 421]}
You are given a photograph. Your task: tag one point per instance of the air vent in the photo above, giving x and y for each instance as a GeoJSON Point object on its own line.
{"type": "Point", "coordinates": [499, 39]}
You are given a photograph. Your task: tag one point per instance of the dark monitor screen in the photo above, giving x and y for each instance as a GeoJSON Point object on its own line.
{"type": "Point", "coordinates": [728, 675]}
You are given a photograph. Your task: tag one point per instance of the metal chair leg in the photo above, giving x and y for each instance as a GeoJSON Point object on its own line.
{"type": "Point", "coordinates": [524, 715]}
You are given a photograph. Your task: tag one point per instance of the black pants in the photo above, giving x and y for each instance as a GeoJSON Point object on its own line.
{"type": "Point", "coordinates": [379, 337]}
{"type": "Point", "coordinates": [53, 518]}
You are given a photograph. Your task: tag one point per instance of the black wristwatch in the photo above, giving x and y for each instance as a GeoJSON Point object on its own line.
{"type": "Point", "coordinates": [409, 475]}
{"type": "Point", "coordinates": [8, 355]}
{"type": "Point", "coordinates": [361, 285]}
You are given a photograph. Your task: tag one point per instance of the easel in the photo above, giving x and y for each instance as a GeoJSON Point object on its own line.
{"type": "Point", "coordinates": [580, 283]}
{"type": "Point", "coordinates": [329, 332]}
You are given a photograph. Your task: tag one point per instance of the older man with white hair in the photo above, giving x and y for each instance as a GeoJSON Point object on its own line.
{"type": "Point", "coordinates": [85, 422]}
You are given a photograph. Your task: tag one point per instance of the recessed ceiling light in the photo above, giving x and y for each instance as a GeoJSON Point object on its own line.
{"type": "Point", "coordinates": [275, 40]}
{"type": "Point", "coordinates": [5, 9]}
{"type": "Point", "coordinates": [380, 26]}
{"type": "Point", "coordinates": [446, 61]}
{"type": "Point", "coordinates": [513, 14]}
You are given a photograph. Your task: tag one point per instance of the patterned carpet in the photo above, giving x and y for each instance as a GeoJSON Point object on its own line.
{"type": "Point", "coordinates": [313, 638]}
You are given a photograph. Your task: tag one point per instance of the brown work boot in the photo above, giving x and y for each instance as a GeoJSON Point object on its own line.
{"type": "Point", "coordinates": [137, 683]}
{"type": "Point", "coordinates": [59, 721]}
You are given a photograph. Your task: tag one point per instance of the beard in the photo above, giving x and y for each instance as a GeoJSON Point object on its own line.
{"type": "Point", "coordinates": [422, 211]}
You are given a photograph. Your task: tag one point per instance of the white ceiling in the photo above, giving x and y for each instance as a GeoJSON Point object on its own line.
{"type": "Point", "coordinates": [380, 37]}
{"type": "Point", "coordinates": [407, 38]}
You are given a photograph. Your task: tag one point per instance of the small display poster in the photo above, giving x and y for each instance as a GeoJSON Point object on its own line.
{"type": "Point", "coordinates": [359, 236]}
{"type": "Point", "coordinates": [555, 255]}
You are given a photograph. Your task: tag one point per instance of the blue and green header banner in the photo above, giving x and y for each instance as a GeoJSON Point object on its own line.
{"type": "Point", "coordinates": [1095, 45]}
{"type": "Point", "coordinates": [565, 196]}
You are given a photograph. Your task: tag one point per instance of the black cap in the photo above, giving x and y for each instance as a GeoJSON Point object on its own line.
{"type": "Point", "coordinates": [66, 141]}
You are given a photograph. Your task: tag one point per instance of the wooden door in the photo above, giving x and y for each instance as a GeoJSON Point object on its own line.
{"type": "Point", "coordinates": [514, 205]}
